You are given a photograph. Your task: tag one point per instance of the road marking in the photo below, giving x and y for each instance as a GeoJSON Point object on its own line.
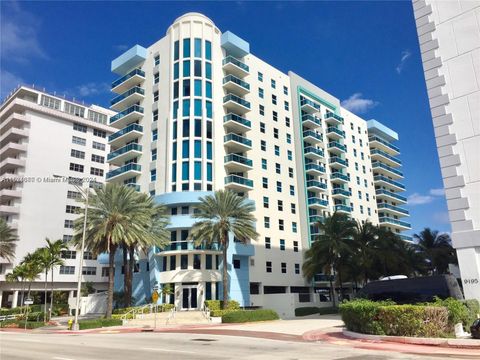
{"type": "Point", "coordinates": [168, 350]}
{"type": "Point", "coordinates": [61, 358]}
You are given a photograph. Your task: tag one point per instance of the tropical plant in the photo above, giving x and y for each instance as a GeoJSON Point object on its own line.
{"type": "Point", "coordinates": [221, 215]}
{"type": "Point", "coordinates": [43, 261]}
{"type": "Point", "coordinates": [19, 274]}
{"type": "Point", "coordinates": [117, 215]}
{"type": "Point", "coordinates": [437, 250]}
{"type": "Point", "coordinates": [166, 290]}
{"type": "Point", "coordinates": [55, 250]}
{"type": "Point", "coordinates": [32, 269]}
{"type": "Point", "coordinates": [8, 239]}
{"type": "Point", "coordinates": [330, 251]}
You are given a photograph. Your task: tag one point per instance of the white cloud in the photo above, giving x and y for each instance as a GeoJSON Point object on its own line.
{"type": "Point", "coordinates": [419, 199]}
{"type": "Point", "coordinates": [19, 31]}
{"type": "Point", "coordinates": [9, 83]}
{"type": "Point", "coordinates": [405, 55]}
{"type": "Point", "coordinates": [120, 47]}
{"type": "Point", "coordinates": [437, 192]}
{"type": "Point", "coordinates": [356, 103]}
{"type": "Point", "coordinates": [441, 217]}
{"type": "Point", "coordinates": [91, 89]}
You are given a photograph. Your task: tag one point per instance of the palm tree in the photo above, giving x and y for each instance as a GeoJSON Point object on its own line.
{"type": "Point", "coordinates": [33, 269]}
{"type": "Point", "coordinates": [330, 249]}
{"type": "Point", "coordinates": [220, 215]}
{"type": "Point", "coordinates": [43, 261]}
{"type": "Point", "coordinates": [364, 245]}
{"type": "Point", "coordinates": [55, 249]}
{"type": "Point", "coordinates": [19, 274]}
{"type": "Point", "coordinates": [117, 215]}
{"type": "Point", "coordinates": [166, 290]}
{"type": "Point", "coordinates": [437, 249]}
{"type": "Point", "coordinates": [7, 241]}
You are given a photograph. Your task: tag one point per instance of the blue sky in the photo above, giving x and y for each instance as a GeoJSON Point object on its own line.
{"type": "Point", "coordinates": [364, 53]}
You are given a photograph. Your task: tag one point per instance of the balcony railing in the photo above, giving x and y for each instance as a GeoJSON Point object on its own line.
{"type": "Point", "coordinates": [128, 76]}
{"type": "Point", "coordinates": [315, 167]}
{"type": "Point", "coordinates": [236, 99]}
{"type": "Point", "coordinates": [391, 194]}
{"type": "Point", "coordinates": [389, 181]}
{"type": "Point", "coordinates": [239, 82]}
{"type": "Point", "coordinates": [134, 90]}
{"type": "Point", "coordinates": [340, 191]}
{"type": "Point", "coordinates": [123, 150]}
{"type": "Point", "coordinates": [336, 130]}
{"type": "Point", "coordinates": [230, 59]}
{"type": "Point", "coordinates": [237, 138]}
{"type": "Point", "coordinates": [238, 159]}
{"type": "Point", "coordinates": [121, 114]}
{"type": "Point", "coordinates": [313, 134]}
{"type": "Point", "coordinates": [317, 201]}
{"type": "Point", "coordinates": [339, 175]}
{"type": "Point", "coordinates": [384, 154]}
{"type": "Point", "coordinates": [389, 220]}
{"type": "Point", "coordinates": [237, 119]}
{"type": "Point", "coordinates": [314, 150]}
{"type": "Point", "coordinates": [316, 183]}
{"type": "Point", "coordinates": [129, 128]}
{"type": "Point", "coordinates": [330, 115]}
{"type": "Point", "coordinates": [392, 207]}
{"type": "Point", "coordinates": [378, 164]}
{"type": "Point", "coordinates": [316, 218]}
{"type": "Point", "coordinates": [338, 160]}
{"type": "Point", "coordinates": [123, 169]}
{"type": "Point", "coordinates": [384, 142]}
{"type": "Point", "coordinates": [335, 144]}
{"type": "Point", "coordinates": [344, 208]}
{"type": "Point", "coordinates": [238, 180]}
{"type": "Point", "coordinates": [314, 119]}
{"type": "Point", "coordinates": [310, 103]}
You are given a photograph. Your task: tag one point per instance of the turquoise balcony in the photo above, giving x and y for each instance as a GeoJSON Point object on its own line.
{"type": "Point", "coordinates": [316, 218]}
{"type": "Point", "coordinates": [331, 118]}
{"type": "Point", "coordinates": [312, 137]}
{"type": "Point", "coordinates": [405, 237]}
{"type": "Point", "coordinates": [310, 121]}
{"type": "Point", "coordinates": [337, 162]}
{"type": "Point", "coordinates": [394, 223]}
{"type": "Point", "coordinates": [124, 154]}
{"type": "Point", "coordinates": [128, 98]}
{"type": "Point", "coordinates": [236, 104]}
{"type": "Point", "coordinates": [124, 172]}
{"type": "Point", "coordinates": [126, 82]}
{"type": "Point", "coordinates": [336, 147]}
{"type": "Point", "coordinates": [317, 203]}
{"type": "Point", "coordinates": [343, 208]}
{"type": "Point", "coordinates": [314, 169]}
{"type": "Point", "coordinates": [315, 185]}
{"type": "Point", "coordinates": [313, 153]}
{"type": "Point", "coordinates": [135, 186]}
{"type": "Point", "coordinates": [386, 170]}
{"type": "Point", "coordinates": [309, 106]}
{"type": "Point", "coordinates": [133, 113]}
{"type": "Point", "coordinates": [392, 209]}
{"type": "Point", "coordinates": [235, 85]}
{"type": "Point", "coordinates": [382, 144]}
{"type": "Point", "coordinates": [385, 158]}
{"type": "Point", "coordinates": [385, 181]}
{"type": "Point", "coordinates": [341, 193]}
{"type": "Point", "coordinates": [335, 133]}
{"type": "Point", "coordinates": [238, 183]}
{"type": "Point", "coordinates": [127, 134]}
{"type": "Point", "coordinates": [234, 66]}
{"type": "Point", "coordinates": [237, 143]}
{"type": "Point", "coordinates": [237, 163]}
{"type": "Point", "coordinates": [236, 123]}
{"type": "Point", "coordinates": [338, 177]}
{"type": "Point", "coordinates": [388, 195]}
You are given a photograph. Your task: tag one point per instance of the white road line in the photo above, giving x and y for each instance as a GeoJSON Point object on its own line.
{"type": "Point", "coordinates": [61, 358]}
{"type": "Point", "coordinates": [168, 350]}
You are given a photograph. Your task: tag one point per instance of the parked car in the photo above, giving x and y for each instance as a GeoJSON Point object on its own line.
{"type": "Point", "coordinates": [475, 329]}
{"type": "Point", "coordinates": [412, 290]}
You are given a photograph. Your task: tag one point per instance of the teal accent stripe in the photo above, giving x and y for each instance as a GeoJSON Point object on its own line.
{"type": "Point", "coordinates": [318, 99]}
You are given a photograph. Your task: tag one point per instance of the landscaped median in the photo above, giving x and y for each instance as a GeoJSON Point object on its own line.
{"type": "Point", "coordinates": [233, 313]}
{"type": "Point", "coordinates": [98, 323]}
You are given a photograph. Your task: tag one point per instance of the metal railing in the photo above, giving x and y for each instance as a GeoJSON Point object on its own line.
{"type": "Point", "coordinates": [171, 315]}
{"type": "Point", "coordinates": [135, 311]}
{"type": "Point", "coordinates": [206, 312]}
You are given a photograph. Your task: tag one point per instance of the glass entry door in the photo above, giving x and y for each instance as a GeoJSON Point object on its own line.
{"type": "Point", "coordinates": [189, 298]}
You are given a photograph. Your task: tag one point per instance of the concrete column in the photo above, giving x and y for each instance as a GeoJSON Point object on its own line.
{"type": "Point", "coordinates": [15, 299]}
{"type": "Point", "coordinates": [1, 298]}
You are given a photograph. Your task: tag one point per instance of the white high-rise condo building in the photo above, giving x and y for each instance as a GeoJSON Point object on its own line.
{"type": "Point", "coordinates": [48, 144]}
{"type": "Point", "coordinates": [198, 112]}
{"type": "Point", "coordinates": [449, 37]}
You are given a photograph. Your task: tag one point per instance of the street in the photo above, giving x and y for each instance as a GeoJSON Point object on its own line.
{"type": "Point", "coordinates": [23, 346]}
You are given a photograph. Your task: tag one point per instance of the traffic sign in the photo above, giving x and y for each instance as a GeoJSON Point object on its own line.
{"type": "Point", "coordinates": [28, 302]}
{"type": "Point", "coordinates": [154, 297]}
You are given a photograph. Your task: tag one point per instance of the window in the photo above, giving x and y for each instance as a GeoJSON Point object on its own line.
{"type": "Point", "coordinates": [96, 171]}
{"type": "Point", "coordinates": [183, 262]}
{"type": "Point", "coordinates": [280, 205]}
{"type": "Point", "coordinates": [367, 196]}
{"type": "Point", "coordinates": [293, 208]}
{"type": "Point", "coordinates": [290, 172]}
{"type": "Point", "coordinates": [70, 209]}
{"type": "Point", "coordinates": [208, 50]}
{"type": "Point", "coordinates": [289, 155]}
{"type": "Point", "coordinates": [297, 268]}
{"type": "Point", "coordinates": [50, 102]}
{"type": "Point", "coordinates": [286, 105]}
{"type": "Point", "coordinates": [361, 209]}
{"type": "Point", "coordinates": [157, 60]}
{"type": "Point", "coordinates": [268, 266]}
{"type": "Point", "coordinates": [277, 150]}
{"type": "Point", "coordinates": [362, 156]}
{"type": "Point", "coordinates": [186, 68]}
{"type": "Point", "coordinates": [281, 224]}
{"type": "Point", "coordinates": [365, 183]}
{"type": "Point", "coordinates": [274, 99]}
{"type": "Point", "coordinates": [260, 93]}
{"type": "Point", "coordinates": [260, 76]}
{"type": "Point", "coordinates": [105, 271]}
{"type": "Point", "coordinates": [268, 243]}
{"type": "Point", "coordinates": [208, 89]}
{"type": "Point", "coordinates": [261, 109]}
{"type": "Point", "coordinates": [77, 154]}
{"type": "Point", "coordinates": [294, 227]}
{"type": "Point", "coordinates": [155, 115]}
{"type": "Point", "coordinates": [266, 222]}
{"type": "Point", "coordinates": [369, 211]}
{"type": "Point", "coordinates": [279, 186]}
{"type": "Point", "coordinates": [67, 270]}
{"type": "Point", "coordinates": [76, 167]}
{"type": "Point", "coordinates": [185, 149]}
{"type": "Point", "coordinates": [282, 244]}
{"type": "Point", "coordinates": [275, 115]}
{"type": "Point", "coordinates": [265, 202]}
{"type": "Point", "coordinates": [264, 164]}
{"type": "Point", "coordinates": [186, 48]}
{"type": "Point", "coordinates": [275, 133]}
{"type": "Point", "coordinates": [295, 246]}
{"type": "Point", "coordinates": [208, 70]}
{"type": "Point", "coordinates": [273, 83]}
{"type": "Point", "coordinates": [100, 133]}
{"type": "Point", "coordinates": [197, 263]}
{"type": "Point", "coordinates": [153, 175]}
{"type": "Point", "coordinates": [284, 268]}
{"type": "Point", "coordinates": [68, 224]}
{"type": "Point", "coordinates": [363, 169]}
{"type": "Point", "coordinates": [73, 194]}
{"type": "Point", "coordinates": [79, 141]}
{"type": "Point", "coordinates": [98, 159]}
{"type": "Point", "coordinates": [173, 262]}
{"type": "Point", "coordinates": [353, 139]}
{"type": "Point", "coordinates": [236, 263]}
{"type": "Point", "coordinates": [197, 52]}
{"type": "Point", "coordinates": [278, 168]}
{"type": "Point", "coordinates": [156, 78]}
{"type": "Point", "coordinates": [154, 135]}
{"type": "Point", "coordinates": [79, 127]}
{"type": "Point", "coordinates": [69, 254]}
{"type": "Point", "coordinates": [87, 255]}
{"type": "Point", "coordinates": [89, 270]}
{"type": "Point", "coordinates": [292, 190]}
{"type": "Point", "coordinates": [97, 117]}
{"type": "Point", "coordinates": [98, 146]}
{"type": "Point", "coordinates": [208, 262]}
{"type": "Point", "coordinates": [285, 90]}
{"type": "Point", "coordinates": [361, 142]}
{"type": "Point", "coordinates": [289, 138]}
{"type": "Point", "coordinates": [197, 68]}
{"type": "Point", "coordinates": [263, 145]}
{"type": "Point", "coordinates": [74, 110]}
{"type": "Point", "coordinates": [262, 127]}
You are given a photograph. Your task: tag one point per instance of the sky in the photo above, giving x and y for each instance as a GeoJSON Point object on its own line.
{"type": "Point", "coordinates": [364, 53]}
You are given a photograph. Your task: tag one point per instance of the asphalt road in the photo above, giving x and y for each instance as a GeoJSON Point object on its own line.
{"type": "Point", "coordinates": [22, 346]}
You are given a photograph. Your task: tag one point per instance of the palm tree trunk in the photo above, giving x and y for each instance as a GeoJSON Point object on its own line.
{"type": "Point", "coordinates": [23, 292]}
{"type": "Point", "coordinates": [126, 275]}
{"type": "Point", "coordinates": [225, 271]}
{"type": "Point", "coordinates": [51, 296]}
{"type": "Point", "coordinates": [332, 292]}
{"type": "Point", "coordinates": [341, 284]}
{"type": "Point", "coordinates": [111, 264]}
{"type": "Point", "coordinates": [131, 265]}
{"type": "Point", "coordinates": [45, 302]}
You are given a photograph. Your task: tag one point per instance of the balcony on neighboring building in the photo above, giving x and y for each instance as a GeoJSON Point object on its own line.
{"type": "Point", "coordinates": [333, 119]}
{"type": "Point", "coordinates": [311, 121]}
{"type": "Point", "coordinates": [236, 123]}
{"type": "Point", "coordinates": [237, 143]}
{"type": "Point", "coordinates": [128, 98]}
{"type": "Point", "coordinates": [309, 106]}
{"type": "Point", "coordinates": [234, 85]}
{"type": "Point", "coordinates": [317, 203]}
{"type": "Point", "coordinates": [388, 195]}
{"type": "Point", "coordinates": [343, 208]}
{"type": "Point", "coordinates": [236, 104]}
{"type": "Point", "coordinates": [129, 115]}
{"type": "Point", "coordinates": [389, 208]}
{"type": "Point", "coordinates": [15, 120]}
{"type": "Point", "coordinates": [127, 134]}
{"type": "Point", "coordinates": [315, 219]}
{"type": "Point", "coordinates": [12, 150]}
{"type": "Point", "coordinates": [381, 180]}
{"type": "Point", "coordinates": [6, 210]}
{"type": "Point", "coordinates": [338, 177]}
{"type": "Point", "coordinates": [10, 164]}
{"type": "Point", "coordinates": [236, 67]}
{"type": "Point", "coordinates": [237, 163]}
{"type": "Point", "coordinates": [315, 185]}
{"type": "Point", "coordinates": [405, 237]}
{"type": "Point", "coordinates": [312, 137]}
{"type": "Point", "coordinates": [335, 133]}
{"type": "Point", "coordinates": [341, 193]}
{"type": "Point", "coordinates": [124, 154]}
{"type": "Point", "coordinates": [385, 158]}
{"type": "Point", "coordinates": [133, 78]}
{"type": "Point", "coordinates": [397, 224]}
{"type": "Point", "coordinates": [314, 169]}
{"type": "Point", "coordinates": [313, 153]}
{"type": "Point", "coordinates": [336, 148]}
{"type": "Point", "coordinates": [382, 144]}
{"type": "Point", "coordinates": [12, 135]}
{"type": "Point", "coordinates": [337, 162]}
{"type": "Point", "coordinates": [238, 183]}
{"type": "Point", "coordinates": [383, 169]}
{"type": "Point", "coordinates": [10, 194]}
{"type": "Point", "coordinates": [124, 172]}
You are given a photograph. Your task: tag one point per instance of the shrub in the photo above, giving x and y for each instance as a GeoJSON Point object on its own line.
{"type": "Point", "coordinates": [21, 324]}
{"type": "Point", "coordinates": [457, 311]}
{"type": "Point", "coordinates": [473, 308]}
{"type": "Point", "coordinates": [241, 316]}
{"type": "Point", "coordinates": [167, 307]}
{"type": "Point", "coordinates": [307, 310]}
{"type": "Point", "coordinates": [361, 315]}
{"type": "Point", "coordinates": [98, 323]}
{"type": "Point", "coordinates": [218, 305]}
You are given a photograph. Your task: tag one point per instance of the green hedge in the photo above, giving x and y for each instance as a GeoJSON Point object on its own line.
{"type": "Point", "coordinates": [98, 323]}
{"type": "Point", "coordinates": [218, 305]}
{"type": "Point", "coordinates": [473, 308]}
{"type": "Point", "coordinates": [161, 308]}
{"type": "Point", "coordinates": [21, 324]}
{"type": "Point", "coordinates": [241, 316]}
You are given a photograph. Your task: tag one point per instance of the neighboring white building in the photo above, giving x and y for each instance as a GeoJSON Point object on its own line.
{"type": "Point", "coordinates": [199, 112]}
{"type": "Point", "coordinates": [449, 37]}
{"type": "Point", "coordinates": [43, 136]}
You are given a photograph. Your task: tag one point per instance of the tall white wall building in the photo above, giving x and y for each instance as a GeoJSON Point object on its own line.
{"type": "Point", "coordinates": [42, 137]}
{"type": "Point", "coordinates": [198, 112]}
{"type": "Point", "coordinates": [449, 37]}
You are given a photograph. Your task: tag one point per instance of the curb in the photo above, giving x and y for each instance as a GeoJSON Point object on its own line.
{"type": "Point", "coordinates": [440, 342]}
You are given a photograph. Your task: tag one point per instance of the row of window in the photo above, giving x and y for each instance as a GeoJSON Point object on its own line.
{"type": "Point", "coordinates": [197, 48]}
{"type": "Point", "coordinates": [81, 155]}
{"type": "Point", "coordinates": [72, 109]}
{"type": "Point", "coordinates": [199, 109]}
{"type": "Point", "coordinates": [86, 270]}
{"type": "Point", "coordinates": [197, 149]}
{"type": "Point", "coordinates": [197, 89]}
{"type": "Point", "coordinates": [273, 83]}
{"type": "Point", "coordinates": [261, 110]}
{"type": "Point", "coordinates": [80, 168]}
{"type": "Point", "coordinates": [197, 129]}
{"type": "Point", "coordinates": [72, 254]}
{"type": "Point", "coordinates": [169, 263]}
{"type": "Point", "coordinates": [82, 141]}
{"type": "Point", "coordinates": [279, 186]}
{"type": "Point", "coordinates": [283, 267]}
{"type": "Point", "coordinates": [83, 128]}
{"type": "Point", "coordinates": [268, 244]}
{"type": "Point", "coordinates": [281, 224]}
{"type": "Point", "coordinates": [266, 204]}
